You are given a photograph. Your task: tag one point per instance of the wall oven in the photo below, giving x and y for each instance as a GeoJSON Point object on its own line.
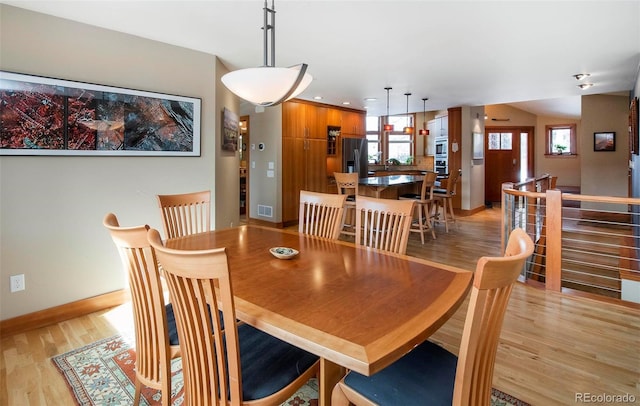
{"type": "Point", "coordinates": [441, 147]}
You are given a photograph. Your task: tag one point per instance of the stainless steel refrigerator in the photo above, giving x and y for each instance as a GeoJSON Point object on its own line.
{"type": "Point", "coordinates": [355, 156]}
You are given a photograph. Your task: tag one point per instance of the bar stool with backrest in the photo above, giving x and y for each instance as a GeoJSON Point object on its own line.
{"type": "Point", "coordinates": [321, 214]}
{"type": "Point", "coordinates": [154, 322]}
{"type": "Point", "coordinates": [237, 364]}
{"type": "Point", "coordinates": [444, 201]}
{"type": "Point", "coordinates": [423, 203]}
{"type": "Point", "coordinates": [185, 214]}
{"type": "Point", "coordinates": [383, 223]}
{"type": "Point", "coordinates": [431, 375]}
{"type": "Point", "coordinates": [347, 183]}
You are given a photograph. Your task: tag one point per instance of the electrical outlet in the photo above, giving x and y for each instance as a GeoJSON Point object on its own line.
{"type": "Point", "coordinates": [17, 283]}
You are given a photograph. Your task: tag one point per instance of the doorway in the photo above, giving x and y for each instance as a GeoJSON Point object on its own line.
{"type": "Point", "coordinates": [243, 141]}
{"type": "Point", "coordinates": [509, 158]}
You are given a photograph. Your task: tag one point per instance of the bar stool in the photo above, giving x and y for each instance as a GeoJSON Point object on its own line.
{"type": "Point", "coordinates": [347, 183]}
{"type": "Point", "coordinates": [444, 200]}
{"type": "Point", "coordinates": [423, 203]}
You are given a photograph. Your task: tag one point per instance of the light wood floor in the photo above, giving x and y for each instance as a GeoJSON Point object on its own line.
{"type": "Point", "coordinates": [552, 346]}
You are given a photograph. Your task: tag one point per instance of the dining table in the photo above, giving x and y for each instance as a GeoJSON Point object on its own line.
{"type": "Point", "coordinates": [378, 184]}
{"type": "Point", "coordinates": [357, 308]}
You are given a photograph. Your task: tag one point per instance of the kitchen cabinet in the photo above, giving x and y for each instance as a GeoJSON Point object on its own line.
{"type": "Point", "coordinates": [353, 124]}
{"type": "Point", "coordinates": [303, 168]}
{"type": "Point", "coordinates": [309, 154]}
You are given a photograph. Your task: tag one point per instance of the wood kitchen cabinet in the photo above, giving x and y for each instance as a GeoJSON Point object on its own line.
{"type": "Point", "coordinates": [353, 124]}
{"type": "Point", "coordinates": [304, 149]}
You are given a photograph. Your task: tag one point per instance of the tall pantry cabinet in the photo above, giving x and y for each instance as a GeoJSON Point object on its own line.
{"type": "Point", "coordinates": [304, 149]}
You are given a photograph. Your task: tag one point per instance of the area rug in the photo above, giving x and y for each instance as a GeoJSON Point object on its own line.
{"type": "Point", "coordinates": [102, 373]}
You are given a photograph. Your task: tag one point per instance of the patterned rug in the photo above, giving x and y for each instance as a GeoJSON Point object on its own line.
{"type": "Point", "coordinates": [102, 373]}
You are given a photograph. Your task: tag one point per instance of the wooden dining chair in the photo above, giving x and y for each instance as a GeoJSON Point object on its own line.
{"type": "Point", "coordinates": [423, 206]}
{"type": "Point", "coordinates": [154, 322]}
{"type": "Point", "coordinates": [243, 365]}
{"type": "Point", "coordinates": [321, 214]}
{"type": "Point", "coordinates": [383, 223]}
{"type": "Point", "coordinates": [185, 214]}
{"type": "Point", "coordinates": [431, 375]}
{"type": "Point", "coordinates": [444, 201]}
{"type": "Point", "coordinates": [347, 184]}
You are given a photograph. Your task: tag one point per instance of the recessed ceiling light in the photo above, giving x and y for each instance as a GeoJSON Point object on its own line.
{"type": "Point", "coordinates": [581, 76]}
{"type": "Point", "coordinates": [369, 99]}
{"type": "Point", "coordinates": [317, 98]}
{"type": "Point", "coordinates": [346, 103]}
{"type": "Point", "coordinates": [585, 85]}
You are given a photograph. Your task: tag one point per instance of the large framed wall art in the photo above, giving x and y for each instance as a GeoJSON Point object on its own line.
{"type": "Point", "coordinates": [46, 116]}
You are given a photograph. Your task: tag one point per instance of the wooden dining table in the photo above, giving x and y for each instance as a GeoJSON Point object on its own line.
{"type": "Point", "coordinates": [354, 307]}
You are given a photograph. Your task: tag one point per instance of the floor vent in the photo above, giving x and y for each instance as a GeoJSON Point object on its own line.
{"type": "Point", "coordinates": [265, 211]}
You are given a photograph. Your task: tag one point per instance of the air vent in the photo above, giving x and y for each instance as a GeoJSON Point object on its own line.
{"type": "Point", "coordinates": [265, 211]}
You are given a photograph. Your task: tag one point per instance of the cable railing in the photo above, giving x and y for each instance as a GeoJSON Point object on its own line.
{"type": "Point", "coordinates": [587, 244]}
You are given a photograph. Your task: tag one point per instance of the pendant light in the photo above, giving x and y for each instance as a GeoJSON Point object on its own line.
{"type": "Point", "coordinates": [424, 130]}
{"type": "Point", "coordinates": [268, 85]}
{"type": "Point", "coordinates": [387, 126]}
{"type": "Point", "coordinates": [409, 128]}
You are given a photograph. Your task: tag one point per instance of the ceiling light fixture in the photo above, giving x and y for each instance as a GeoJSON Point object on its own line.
{"type": "Point", "coordinates": [409, 128]}
{"type": "Point", "coordinates": [581, 76]}
{"type": "Point", "coordinates": [387, 126]}
{"type": "Point", "coordinates": [268, 85]}
{"type": "Point", "coordinates": [424, 130]}
{"type": "Point", "coordinates": [585, 85]}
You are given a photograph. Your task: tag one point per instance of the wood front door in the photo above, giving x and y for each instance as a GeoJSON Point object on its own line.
{"type": "Point", "coordinates": [509, 158]}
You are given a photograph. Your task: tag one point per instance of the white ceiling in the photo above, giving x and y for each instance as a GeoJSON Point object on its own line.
{"type": "Point", "coordinates": [454, 52]}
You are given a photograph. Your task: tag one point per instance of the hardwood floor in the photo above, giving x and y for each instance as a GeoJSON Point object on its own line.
{"type": "Point", "coordinates": [553, 347]}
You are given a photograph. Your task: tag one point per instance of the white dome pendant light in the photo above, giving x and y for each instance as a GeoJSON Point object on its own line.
{"type": "Point", "coordinates": [268, 85]}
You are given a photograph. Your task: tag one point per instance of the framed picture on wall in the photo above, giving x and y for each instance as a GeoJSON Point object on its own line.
{"type": "Point", "coordinates": [230, 130]}
{"type": "Point", "coordinates": [46, 116]}
{"type": "Point", "coordinates": [605, 141]}
{"type": "Point", "coordinates": [478, 146]}
{"type": "Point", "coordinates": [633, 127]}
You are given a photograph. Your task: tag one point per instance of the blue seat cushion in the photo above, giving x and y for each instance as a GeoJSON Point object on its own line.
{"type": "Point", "coordinates": [173, 329]}
{"type": "Point", "coordinates": [268, 364]}
{"type": "Point", "coordinates": [441, 191]}
{"type": "Point", "coordinates": [424, 376]}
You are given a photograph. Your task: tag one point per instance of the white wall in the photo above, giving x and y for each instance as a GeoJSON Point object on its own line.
{"type": "Point", "coordinates": [472, 184]}
{"type": "Point", "coordinates": [266, 128]}
{"type": "Point", "coordinates": [51, 208]}
{"type": "Point", "coordinates": [609, 177]}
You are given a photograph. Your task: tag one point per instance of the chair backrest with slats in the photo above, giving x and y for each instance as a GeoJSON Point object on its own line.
{"type": "Point", "coordinates": [321, 214]}
{"type": "Point", "coordinates": [493, 280]}
{"type": "Point", "coordinates": [153, 352]}
{"type": "Point", "coordinates": [347, 183]}
{"type": "Point", "coordinates": [452, 184]}
{"type": "Point", "coordinates": [383, 223]}
{"type": "Point", "coordinates": [185, 214]}
{"type": "Point", "coordinates": [198, 282]}
{"type": "Point", "coordinates": [428, 183]}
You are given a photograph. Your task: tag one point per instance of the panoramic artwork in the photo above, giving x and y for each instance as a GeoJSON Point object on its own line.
{"type": "Point", "coordinates": [44, 116]}
{"type": "Point", "coordinates": [230, 130]}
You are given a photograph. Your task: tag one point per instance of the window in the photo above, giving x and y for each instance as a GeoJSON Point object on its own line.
{"type": "Point", "coordinates": [373, 140]}
{"type": "Point", "coordinates": [560, 139]}
{"type": "Point", "coordinates": [394, 145]}
{"type": "Point", "coordinates": [500, 141]}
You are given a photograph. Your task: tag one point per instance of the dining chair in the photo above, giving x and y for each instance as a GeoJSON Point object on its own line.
{"type": "Point", "coordinates": [444, 201]}
{"type": "Point", "coordinates": [185, 214]}
{"type": "Point", "coordinates": [155, 328]}
{"type": "Point", "coordinates": [423, 205]}
{"type": "Point", "coordinates": [240, 367]}
{"type": "Point", "coordinates": [431, 375]}
{"type": "Point", "coordinates": [321, 214]}
{"type": "Point", "coordinates": [383, 223]}
{"type": "Point", "coordinates": [347, 184]}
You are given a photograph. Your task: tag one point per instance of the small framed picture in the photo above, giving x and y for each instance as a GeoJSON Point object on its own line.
{"type": "Point", "coordinates": [605, 141]}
